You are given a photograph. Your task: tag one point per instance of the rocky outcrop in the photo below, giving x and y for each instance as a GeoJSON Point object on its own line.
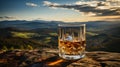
{"type": "Point", "coordinates": [50, 58]}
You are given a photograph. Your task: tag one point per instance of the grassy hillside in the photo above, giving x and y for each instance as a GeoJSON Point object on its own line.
{"type": "Point", "coordinates": [104, 38]}
{"type": "Point", "coordinates": [107, 40]}
{"type": "Point", "coordinates": [17, 39]}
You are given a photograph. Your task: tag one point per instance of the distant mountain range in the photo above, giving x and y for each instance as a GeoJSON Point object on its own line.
{"type": "Point", "coordinates": [28, 25]}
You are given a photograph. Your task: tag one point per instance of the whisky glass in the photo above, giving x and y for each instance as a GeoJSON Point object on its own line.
{"type": "Point", "coordinates": [71, 41]}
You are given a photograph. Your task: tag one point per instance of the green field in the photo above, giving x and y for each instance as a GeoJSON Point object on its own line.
{"type": "Point", "coordinates": [24, 34]}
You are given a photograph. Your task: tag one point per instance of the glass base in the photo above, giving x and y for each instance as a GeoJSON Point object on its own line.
{"type": "Point", "coordinates": [72, 57]}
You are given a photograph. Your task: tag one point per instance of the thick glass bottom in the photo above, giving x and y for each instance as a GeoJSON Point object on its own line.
{"type": "Point", "coordinates": [71, 57]}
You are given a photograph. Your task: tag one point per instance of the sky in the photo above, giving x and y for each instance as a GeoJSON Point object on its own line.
{"type": "Point", "coordinates": [60, 10]}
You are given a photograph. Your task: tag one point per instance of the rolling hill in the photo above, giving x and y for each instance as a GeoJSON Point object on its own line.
{"type": "Point", "coordinates": [101, 35]}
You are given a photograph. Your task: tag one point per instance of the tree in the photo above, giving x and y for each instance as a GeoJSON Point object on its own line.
{"type": "Point", "coordinates": [21, 47]}
{"type": "Point", "coordinates": [5, 48]}
{"type": "Point", "coordinates": [12, 48]}
{"type": "Point", "coordinates": [29, 47]}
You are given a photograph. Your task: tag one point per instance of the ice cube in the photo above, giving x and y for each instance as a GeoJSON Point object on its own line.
{"type": "Point", "coordinates": [69, 38]}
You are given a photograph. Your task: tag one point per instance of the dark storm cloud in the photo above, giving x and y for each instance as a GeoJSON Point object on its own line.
{"type": "Point", "coordinates": [100, 8]}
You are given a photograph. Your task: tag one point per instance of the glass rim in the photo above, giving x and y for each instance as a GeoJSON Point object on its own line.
{"type": "Point", "coordinates": [70, 25]}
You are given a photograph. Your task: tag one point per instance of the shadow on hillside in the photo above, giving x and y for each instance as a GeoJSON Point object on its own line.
{"type": "Point", "coordinates": [54, 61]}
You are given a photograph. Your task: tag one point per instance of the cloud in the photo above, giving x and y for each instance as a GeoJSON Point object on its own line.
{"type": "Point", "coordinates": [7, 17]}
{"type": "Point", "coordinates": [91, 8]}
{"type": "Point", "coordinates": [113, 18]}
{"type": "Point", "coordinates": [2, 18]}
{"type": "Point", "coordinates": [31, 4]}
{"type": "Point", "coordinates": [50, 4]}
{"type": "Point", "coordinates": [47, 3]}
